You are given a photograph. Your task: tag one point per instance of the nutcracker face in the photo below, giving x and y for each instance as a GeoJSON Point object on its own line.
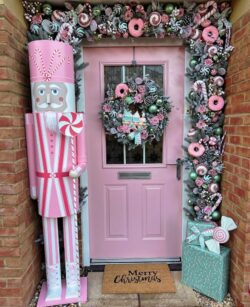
{"type": "Point", "coordinates": [49, 96]}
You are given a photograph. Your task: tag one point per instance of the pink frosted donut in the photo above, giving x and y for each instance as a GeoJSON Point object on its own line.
{"type": "Point", "coordinates": [201, 170]}
{"type": "Point", "coordinates": [84, 20]}
{"type": "Point", "coordinates": [135, 27]}
{"type": "Point", "coordinates": [215, 103]}
{"type": "Point", "coordinates": [210, 34]}
{"type": "Point", "coordinates": [155, 19]}
{"type": "Point", "coordinates": [121, 90]}
{"type": "Point", "coordinates": [196, 150]}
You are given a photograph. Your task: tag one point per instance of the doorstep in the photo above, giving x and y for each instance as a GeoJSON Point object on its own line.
{"type": "Point", "coordinates": [184, 296]}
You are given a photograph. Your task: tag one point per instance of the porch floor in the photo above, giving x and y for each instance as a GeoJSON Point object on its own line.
{"type": "Point", "coordinates": [184, 297]}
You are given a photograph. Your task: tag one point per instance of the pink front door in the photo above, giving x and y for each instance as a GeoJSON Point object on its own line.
{"type": "Point", "coordinates": [134, 196]}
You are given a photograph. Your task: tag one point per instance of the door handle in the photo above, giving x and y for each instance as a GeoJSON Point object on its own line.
{"type": "Point", "coordinates": [179, 163]}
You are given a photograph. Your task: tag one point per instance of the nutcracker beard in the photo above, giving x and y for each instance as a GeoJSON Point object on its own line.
{"type": "Point", "coordinates": [51, 121]}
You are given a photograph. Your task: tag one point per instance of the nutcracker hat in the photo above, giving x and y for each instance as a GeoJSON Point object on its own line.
{"type": "Point", "coordinates": [51, 61]}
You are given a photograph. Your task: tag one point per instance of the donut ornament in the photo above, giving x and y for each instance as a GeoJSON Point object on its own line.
{"type": "Point", "coordinates": [201, 170]}
{"type": "Point", "coordinates": [84, 20]}
{"type": "Point", "coordinates": [70, 124]}
{"type": "Point", "coordinates": [196, 150]}
{"type": "Point", "coordinates": [135, 27]}
{"type": "Point", "coordinates": [155, 19]}
{"type": "Point", "coordinates": [210, 34]}
{"type": "Point", "coordinates": [216, 103]}
{"type": "Point", "coordinates": [121, 90]}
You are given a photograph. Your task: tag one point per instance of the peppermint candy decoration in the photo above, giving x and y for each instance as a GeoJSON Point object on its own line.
{"type": "Point", "coordinates": [221, 235]}
{"type": "Point", "coordinates": [70, 124]}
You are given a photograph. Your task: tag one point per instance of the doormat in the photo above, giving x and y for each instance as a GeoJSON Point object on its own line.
{"type": "Point", "coordinates": [137, 278]}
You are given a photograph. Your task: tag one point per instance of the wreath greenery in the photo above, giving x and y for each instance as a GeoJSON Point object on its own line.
{"type": "Point", "coordinates": [136, 112]}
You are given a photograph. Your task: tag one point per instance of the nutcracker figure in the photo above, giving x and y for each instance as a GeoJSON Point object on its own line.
{"type": "Point", "coordinates": [56, 158]}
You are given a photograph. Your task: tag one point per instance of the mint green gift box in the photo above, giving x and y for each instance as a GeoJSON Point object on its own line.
{"type": "Point", "coordinates": [205, 271]}
{"type": "Point", "coordinates": [195, 237]}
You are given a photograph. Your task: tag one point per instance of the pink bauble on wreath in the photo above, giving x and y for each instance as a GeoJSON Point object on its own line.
{"type": "Point", "coordinates": [210, 34]}
{"type": "Point", "coordinates": [196, 150]}
{"type": "Point", "coordinates": [135, 27]}
{"type": "Point", "coordinates": [216, 103]}
{"type": "Point", "coordinates": [121, 90]}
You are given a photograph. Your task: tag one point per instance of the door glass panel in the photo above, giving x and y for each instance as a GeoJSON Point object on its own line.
{"type": "Point", "coordinates": [132, 71]}
{"type": "Point", "coordinates": [154, 152]}
{"type": "Point", "coordinates": [114, 150]}
{"type": "Point", "coordinates": [117, 153]}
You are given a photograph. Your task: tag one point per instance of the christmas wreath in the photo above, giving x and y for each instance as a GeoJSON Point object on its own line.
{"type": "Point", "coordinates": [135, 112]}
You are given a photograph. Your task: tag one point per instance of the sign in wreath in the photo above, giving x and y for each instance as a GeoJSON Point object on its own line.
{"type": "Point", "coordinates": [135, 112]}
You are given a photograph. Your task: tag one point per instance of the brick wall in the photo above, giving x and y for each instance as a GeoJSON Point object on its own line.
{"type": "Point", "coordinates": [236, 178]}
{"type": "Point", "coordinates": [19, 223]}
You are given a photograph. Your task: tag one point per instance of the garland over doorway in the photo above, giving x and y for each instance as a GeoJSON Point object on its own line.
{"type": "Point", "coordinates": [206, 31]}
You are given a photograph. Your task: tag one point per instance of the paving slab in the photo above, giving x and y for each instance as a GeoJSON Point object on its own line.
{"type": "Point", "coordinates": [184, 296]}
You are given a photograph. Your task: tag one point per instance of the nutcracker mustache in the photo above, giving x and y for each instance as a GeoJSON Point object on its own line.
{"type": "Point", "coordinates": [52, 105]}
{"type": "Point", "coordinates": [51, 121]}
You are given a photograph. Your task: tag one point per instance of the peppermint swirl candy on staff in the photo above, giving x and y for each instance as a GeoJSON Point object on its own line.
{"type": "Point", "coordinates": [71, 124]}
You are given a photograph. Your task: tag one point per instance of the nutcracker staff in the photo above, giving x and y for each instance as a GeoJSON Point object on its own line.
{"type": "Point", "coordinates": [56, 158]}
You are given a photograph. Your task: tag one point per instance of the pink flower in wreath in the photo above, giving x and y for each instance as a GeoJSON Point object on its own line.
{"type": "Point", "coordinates": [154, 121]}
{"type": "Point", "coordinates": [123, 129]}
{"type": "Point", "coordinates": [144, 134]}
{"type": "Point", "coordinates": [212, 172]}
{"type": "Point", "coordinates": [164, 18]}
{"type": "Point", "coordinates": [37, 19]}
{"type": "Point", "coordinates": [201, 124]}
{"type": "Point", "coordinates": [201, 109]}
{"type": "Point", "coordinates": [160, 116]}
{"type": "Point", "coordinates": [141, 89]}
{"type": "Point", "coordinates": [106, 108]}
{"type": "Point", "coordinates": [208, 62]}
{"type": "Point", "coordinates": [195, 161]}
{"type": "Point", "coordinates": [199, 181]}
{"type": "Point", "coordinates": [138, 98]}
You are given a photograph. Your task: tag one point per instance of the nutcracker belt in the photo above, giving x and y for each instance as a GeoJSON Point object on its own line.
{"type": "Point", "coordinates": [52, 175]}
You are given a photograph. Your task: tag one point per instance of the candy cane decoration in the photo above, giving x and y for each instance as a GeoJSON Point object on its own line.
{"type": "Point", "coordinates": [217, 203]}
{"type": "Point", "coordinates": [72, 143]}
{"type": "Point", "coordinates": [199, 84]}
{"type": "Point", "coordinates": [65, 27]}
{"type": "Point", "coordinates": [209, 14]}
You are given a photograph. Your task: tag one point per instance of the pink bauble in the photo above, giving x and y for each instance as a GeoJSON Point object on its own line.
{"type": "Point", "coordinates": [196, 150]}
{"type": "Point", "coordinates": [210, 34]}
{"type": "Point", "coordinates": [221, 235]}
{"type": "Point", "coordinates": [135, 27]}
{"type": "Point", "coordinates": [216, 103]}
{"type": "Point", "coordinates": [121, 90]}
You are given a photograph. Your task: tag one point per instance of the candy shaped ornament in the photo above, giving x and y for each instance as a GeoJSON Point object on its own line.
{"type": "Point", "coordinates": [56, 158]}
{"type": "Point", "coordinates": [221, 234]}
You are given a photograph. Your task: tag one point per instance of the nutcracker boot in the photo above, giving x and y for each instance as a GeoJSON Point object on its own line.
{"type": "Point", "coordinates": [70, 230]}
{"type": "Point", "coordinates": [52, 258]}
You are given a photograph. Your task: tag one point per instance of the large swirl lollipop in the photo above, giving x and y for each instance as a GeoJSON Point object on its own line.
{"type": "Point", "coordinates": [70, 124]}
